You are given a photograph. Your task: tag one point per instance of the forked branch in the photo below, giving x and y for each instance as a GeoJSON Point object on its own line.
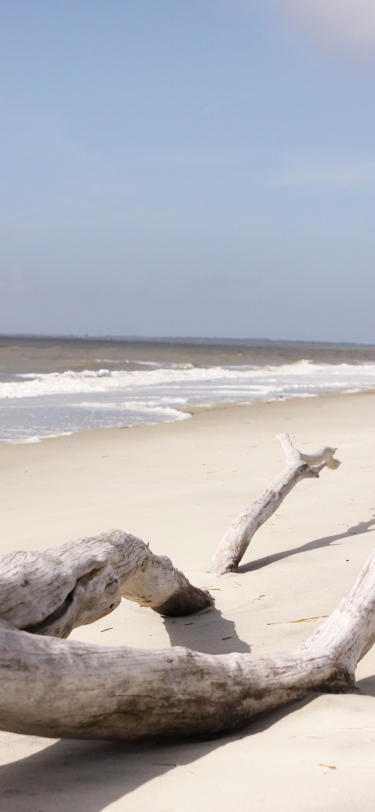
{"type": "Point", "coordinates": [238, 536]}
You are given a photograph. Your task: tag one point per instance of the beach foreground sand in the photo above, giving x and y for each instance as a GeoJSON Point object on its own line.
{"type": "Point", "coordinates": [178, 486]}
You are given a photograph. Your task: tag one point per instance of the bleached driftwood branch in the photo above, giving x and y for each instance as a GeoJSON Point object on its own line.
{"type": "Point", "coordinates": [52, 592]}
{"type": "Point", "coordinates": [51, 687]}
{"type": "Point", "coordinates": [238, 536]}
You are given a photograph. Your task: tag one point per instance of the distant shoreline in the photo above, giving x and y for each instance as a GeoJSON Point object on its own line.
{"type": "Point", "coordinates": [178, 339]}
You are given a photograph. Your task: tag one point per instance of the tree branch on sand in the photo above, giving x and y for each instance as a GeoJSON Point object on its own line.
{"type": "Point", "coordinates": [52, 592]}
{"type": "Point", "coordinates": [60, 688]}
{"type": "Point", "coordinates": [238, 536]}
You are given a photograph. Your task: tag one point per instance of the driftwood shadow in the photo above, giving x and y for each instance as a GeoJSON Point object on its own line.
{"type": "Point", "coordinates": [210, 633]}
{"type": "Point", "coordinates": [366, 686]}
{"type": "Point", "coordinates": [88, 776]}
{"type": "Point", "coordinates": [316, 544]}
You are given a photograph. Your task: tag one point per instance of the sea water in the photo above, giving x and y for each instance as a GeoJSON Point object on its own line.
{"type": "Point", "coordinates": [55, 386]}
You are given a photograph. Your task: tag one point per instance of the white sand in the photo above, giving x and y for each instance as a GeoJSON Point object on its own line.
{"type": "Point", "coordinates": [178, 486]}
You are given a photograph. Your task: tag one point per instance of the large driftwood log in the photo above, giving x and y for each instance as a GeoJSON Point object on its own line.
{"type": "Point", "coordinates": [52, 592]}
{"type": "Point", "coordinates": [51, 687]}
{"type": "Point", "coordinates": [55, 688]}
{"type": "Point", "coordinates": [238, 536]}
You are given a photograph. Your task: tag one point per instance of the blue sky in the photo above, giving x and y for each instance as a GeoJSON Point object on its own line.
{"type": "Point", "coordinates": [188, 167]}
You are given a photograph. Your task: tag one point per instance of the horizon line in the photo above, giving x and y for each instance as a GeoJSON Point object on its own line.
{"type": "Point", "coordinates": [226, 339]}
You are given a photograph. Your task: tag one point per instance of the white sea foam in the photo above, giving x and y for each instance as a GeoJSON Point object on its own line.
{"type": "Point", "coordinates": [136, 406]}
{"type": "Point", "coordinates": [301, 377]}
{"type": "Point", "coordinates": [33, 406]}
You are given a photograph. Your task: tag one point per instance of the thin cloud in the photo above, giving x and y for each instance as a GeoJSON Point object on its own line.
{"type": "Point", "coordinates": [333, 21]}
{"type": "Point", "coordinates": [215, 106]}
{"type": "Point", "coordinates": [330, 174]}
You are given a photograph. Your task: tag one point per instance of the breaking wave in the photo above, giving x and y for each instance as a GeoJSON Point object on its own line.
{"type": "Point", "coordinates": [48, 404]}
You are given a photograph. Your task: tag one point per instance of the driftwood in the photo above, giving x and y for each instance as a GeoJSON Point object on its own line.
{"type": "Point", "coordinates": [51, 687]}
{"type": "Point", "coordinates": [238, 536]}
{"type": "Point", "coordinates": [55, 687]}
{"type": "Point", "coordinates": [52, 592]}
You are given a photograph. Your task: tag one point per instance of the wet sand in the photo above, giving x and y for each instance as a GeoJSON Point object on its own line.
{"type": "Point", "coordinates": [178, 486]}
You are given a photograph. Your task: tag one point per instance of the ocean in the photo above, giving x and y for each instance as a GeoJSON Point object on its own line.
{"type": "Point", "coordinates": [50, 386]}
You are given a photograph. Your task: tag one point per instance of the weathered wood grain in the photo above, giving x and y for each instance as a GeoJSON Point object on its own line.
{"type": "Point", "coordinates": [52, 687]}
{"type": "Point", "coordinates": [238, 536]}
{"type": "Point", "coordinates": [52, 592]}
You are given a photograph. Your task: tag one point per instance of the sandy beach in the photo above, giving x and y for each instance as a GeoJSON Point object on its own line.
{"type": "Point", "coordinates": [178, 486]}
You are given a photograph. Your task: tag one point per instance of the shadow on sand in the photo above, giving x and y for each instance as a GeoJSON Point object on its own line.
{"type": "Point", "coordinates": [90, 775]}
{"type": "Point", "coordinates": [316, 544]}
{"type": "Point", "coordinates": [210, 633]}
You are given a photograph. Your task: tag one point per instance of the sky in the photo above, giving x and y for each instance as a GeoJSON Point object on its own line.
{"type": "Point", "coordinates": [188, 168]}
